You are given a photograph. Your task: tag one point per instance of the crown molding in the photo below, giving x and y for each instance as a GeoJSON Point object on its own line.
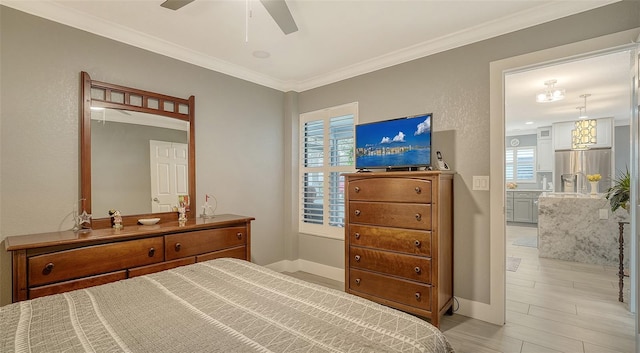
{"type": "Point", "coordinates": [521, 20]}
{"type": "Point", "coordinates": [101, 27]}
{"type": "Point", "coordinates": [538, 15]}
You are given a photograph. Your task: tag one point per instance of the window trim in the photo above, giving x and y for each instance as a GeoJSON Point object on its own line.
{"type": "Point", "coordinates": [323, 230]}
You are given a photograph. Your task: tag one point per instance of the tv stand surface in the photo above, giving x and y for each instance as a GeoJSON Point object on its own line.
{"type": "Point", "coordinates": [402, 169]}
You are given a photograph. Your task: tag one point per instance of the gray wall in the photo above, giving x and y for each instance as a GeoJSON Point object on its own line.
{"type": "Point", "coordinates": [622, 149]}
{"type": "Point", "coordinates": [239, 130]}
{"type": "Point", "coordinates": [454, 85]}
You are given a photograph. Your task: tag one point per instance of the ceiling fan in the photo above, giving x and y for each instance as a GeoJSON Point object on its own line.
{"type": "Point", "coordinates": [278, 9]}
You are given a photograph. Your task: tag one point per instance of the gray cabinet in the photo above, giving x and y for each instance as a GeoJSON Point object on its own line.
{"type": "Point", "coordinates": [522, 206]}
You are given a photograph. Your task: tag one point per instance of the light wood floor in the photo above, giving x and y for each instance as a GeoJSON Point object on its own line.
{"type": "Point", "coordinates": [552, 306]}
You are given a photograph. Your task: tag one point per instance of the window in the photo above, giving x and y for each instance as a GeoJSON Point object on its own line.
{"type": "Point", "coordinates": [520, 164]}
{"type": "Point", "coordinates": [327, 151]}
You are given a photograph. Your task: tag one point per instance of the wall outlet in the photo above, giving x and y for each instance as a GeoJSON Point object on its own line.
{"type": "Point", "coordinates": [604, 213]}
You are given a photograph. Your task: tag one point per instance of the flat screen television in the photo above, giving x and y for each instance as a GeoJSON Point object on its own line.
{"type": "Point", "coordinates": [402, 143]}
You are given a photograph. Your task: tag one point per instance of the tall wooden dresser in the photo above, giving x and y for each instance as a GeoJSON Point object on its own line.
{"type": "Point", "coordinates": [399, 240]}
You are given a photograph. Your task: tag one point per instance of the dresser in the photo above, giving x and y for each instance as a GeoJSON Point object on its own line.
{"type": "Point", "coordinates": [399, 240]}
{"type": "Point", "coordinates": [57, 262]}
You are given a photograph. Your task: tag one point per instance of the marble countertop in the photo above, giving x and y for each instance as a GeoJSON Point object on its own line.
{"type": "Point", "coordinates": [535, 190]}
{"type": "Point", "coordinates": [571, 196]}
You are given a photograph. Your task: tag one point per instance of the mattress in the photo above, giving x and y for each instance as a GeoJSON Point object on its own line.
{"type": "Point", "coordinates": [222, 305]}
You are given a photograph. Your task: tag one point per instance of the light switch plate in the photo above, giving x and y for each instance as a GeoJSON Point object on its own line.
{"type": "Point", "coordinates": [480, 182]}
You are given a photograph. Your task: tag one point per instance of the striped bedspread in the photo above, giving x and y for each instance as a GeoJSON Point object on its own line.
{"type": "Point", "coordinates": [223, 305]}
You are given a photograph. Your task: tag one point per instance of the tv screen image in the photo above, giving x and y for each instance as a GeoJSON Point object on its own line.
{"type": "Point", "coordinates": [396, 143]}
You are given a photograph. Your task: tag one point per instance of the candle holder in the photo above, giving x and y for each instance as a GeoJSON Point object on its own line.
{"type": "Point", "coordinates": [207, 210]}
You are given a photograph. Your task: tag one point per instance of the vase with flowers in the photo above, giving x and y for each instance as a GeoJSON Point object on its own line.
{"type": "Point", "coordinates": [593, 180]}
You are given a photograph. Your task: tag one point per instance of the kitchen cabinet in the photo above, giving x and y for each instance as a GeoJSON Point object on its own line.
{"type": "Point", "coordinates": [562, 134]}
{"type": "Point", "coordinates": [544, 156]}
{"type": "Point", "coordinates": [524, 206]}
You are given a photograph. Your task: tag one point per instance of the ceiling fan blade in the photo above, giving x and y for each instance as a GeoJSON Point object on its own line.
{"type": "Point", "coordinates": [175, 4]}
{"type": "Point", "coordinates": [279, 10]}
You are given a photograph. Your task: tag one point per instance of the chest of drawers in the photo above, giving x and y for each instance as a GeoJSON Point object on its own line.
{"type": "Point", "coordinates": [399, 240]}
{"type": "Point", "coordinates": [51, 263]}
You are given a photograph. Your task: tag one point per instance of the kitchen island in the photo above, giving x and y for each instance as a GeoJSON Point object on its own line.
{"type": "Point", "coordinates": [579, 228]}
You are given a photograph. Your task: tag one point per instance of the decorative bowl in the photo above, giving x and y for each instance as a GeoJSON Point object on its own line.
{"type": "Point", "coordinates": [148, 221]}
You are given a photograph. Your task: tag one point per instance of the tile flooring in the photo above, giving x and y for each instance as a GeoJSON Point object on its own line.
{"type": "Point", "coordinates": [552, 306]}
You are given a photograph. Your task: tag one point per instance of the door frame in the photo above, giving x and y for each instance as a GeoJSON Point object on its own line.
{"type": "Point", "coordinates": [495, 310]}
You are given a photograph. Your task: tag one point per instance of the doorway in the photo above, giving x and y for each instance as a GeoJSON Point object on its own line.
{"type": "Point", "coordinates": [579, 275]}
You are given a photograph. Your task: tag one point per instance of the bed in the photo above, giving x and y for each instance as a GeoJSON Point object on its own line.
{"type": "Point", "coordinates": [223, 305]}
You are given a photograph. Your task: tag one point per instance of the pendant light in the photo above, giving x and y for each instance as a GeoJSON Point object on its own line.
{"type": "Point", "coordinates": [585, 133]}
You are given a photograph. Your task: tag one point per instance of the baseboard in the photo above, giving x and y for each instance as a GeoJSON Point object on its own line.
{"type": "Point", "coordinates": [334, 273]}
{"type": "Point", "coordinates": [477, 310]}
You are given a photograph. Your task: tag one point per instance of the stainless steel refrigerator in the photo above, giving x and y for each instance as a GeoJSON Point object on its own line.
{"type": "Point", "coordinates": [576, 165]}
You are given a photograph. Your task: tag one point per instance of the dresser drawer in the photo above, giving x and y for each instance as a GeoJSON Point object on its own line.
{"type": "Point", "coordinates": [406, 266]}
{"type": "Point", "coordinates": [81, 283]}
{"type": "Point", "coordinates": [409, 241]}
{"type": "Point", "coordinates": [393, 289]}
{"type": "Point", "coordinates": [402, 215]}
{"type": "Point", "coordinates": [145, 270]}
{"type": "Point", "coordinates": [237, 253]}
{"type": "Point", "coordinates": [391, 190]}
{"type": "Point", "coordinates": [203, 241]}
{"type": "Point", "coordinates": [82, 262]}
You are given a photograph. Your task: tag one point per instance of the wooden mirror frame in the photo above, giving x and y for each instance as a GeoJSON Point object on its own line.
{"type": "Point", "coordinates": [144, 97]}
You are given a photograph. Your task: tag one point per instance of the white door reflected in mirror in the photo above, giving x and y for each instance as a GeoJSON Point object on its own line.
{"type": "Point", "coordinates": [169, 174]}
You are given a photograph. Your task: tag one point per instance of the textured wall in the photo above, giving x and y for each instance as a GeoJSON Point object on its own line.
{"type": "Point", "coordinates": [239, 134]}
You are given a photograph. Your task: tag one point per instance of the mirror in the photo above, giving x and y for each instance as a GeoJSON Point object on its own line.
{"type": "Point", "coordinates": [137, 152]}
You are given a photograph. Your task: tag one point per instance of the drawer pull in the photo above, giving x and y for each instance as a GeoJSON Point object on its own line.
{"type": "Point", "coordinates": [418, 190]}
{"type": "Point", "coordinates": [417, 243]}
{"type": "Point", "coordinates": [357, 212]}
{"type": "Point", "coordinates": [418, 217]}
{"type": "Point", "coordinates": [356, 189]}
{"type": "Point", "coordinates": [418, 295]}
{"type": "Point", "coordinates": [152, 252]}
{"type": "Point", "coordinates": [239, 235]}
{"type": "Point", "coordinates": [358, 281]}
{"type": "Point", "coordinates": [47, 268]}
{"type": "Point", "coordinates": [357, 235]}
{"type": "Point", "coordinates": [417, 269]}
{"type": "Point", "coordinates": [178, 246]}
{"type": "Point", "coordinates": [357, 257]}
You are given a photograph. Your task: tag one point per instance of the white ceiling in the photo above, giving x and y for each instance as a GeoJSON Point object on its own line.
{"type": "Point", "coordinates": [336, 39]}
{"type": "Point", "coordinates": [606, 77]}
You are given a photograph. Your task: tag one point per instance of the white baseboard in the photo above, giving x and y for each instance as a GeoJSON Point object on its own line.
{"type": "Point", "coordinates": [477, 310]}
{"type": "Point", "coordinates": [334, 273]}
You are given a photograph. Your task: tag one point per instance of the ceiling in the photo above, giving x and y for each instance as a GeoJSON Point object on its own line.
{"type": "Point", "coordinates": [337, 39]}
{"type": "Point", "coordinates": [607, 77]}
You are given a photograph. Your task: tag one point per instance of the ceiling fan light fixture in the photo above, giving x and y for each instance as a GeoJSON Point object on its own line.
{"type": "Point", "coordinates": [551, 93]}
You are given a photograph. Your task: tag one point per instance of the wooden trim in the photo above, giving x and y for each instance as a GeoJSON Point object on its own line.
{"type": "Point", "coordinates": [19, 266]}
